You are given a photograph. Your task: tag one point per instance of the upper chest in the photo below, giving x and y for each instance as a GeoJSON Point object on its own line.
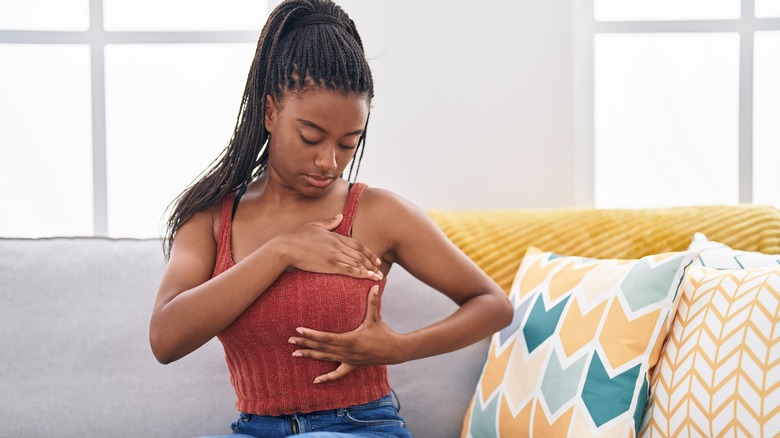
{"type": "Point", "coordinates": [254, 225]}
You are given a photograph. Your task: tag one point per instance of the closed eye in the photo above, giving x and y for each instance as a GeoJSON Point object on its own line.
{"type": "Point", "coordinates": [309, 142]}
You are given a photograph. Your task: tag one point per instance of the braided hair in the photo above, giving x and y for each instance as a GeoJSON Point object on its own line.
{"type": "Point", "coordinates": [305, 44]}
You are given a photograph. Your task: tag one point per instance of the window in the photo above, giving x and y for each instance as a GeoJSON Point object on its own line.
{"type": "Point", "coordinates": [106, 114]}
{"type": "Point", "coordinates": [677, 102]}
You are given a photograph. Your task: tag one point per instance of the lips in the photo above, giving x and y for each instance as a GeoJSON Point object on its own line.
{"type": "Point", "coordinates": [319, 180]}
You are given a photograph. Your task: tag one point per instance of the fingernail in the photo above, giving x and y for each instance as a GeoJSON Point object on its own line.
{"type": "Point", "coordinates": [299, 330]}
{"type": "Point", "coordinates": [291, 340]}
{"type": "Point", "coordinates": [297, 354]}
{"type": "Point", "coordinates": [317, 381]}
{"type": "Point", "coordinates": [378, 261]}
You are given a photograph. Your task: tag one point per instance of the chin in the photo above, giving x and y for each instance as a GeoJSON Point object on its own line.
{"type": "Point", "coordinates": [314, 192]}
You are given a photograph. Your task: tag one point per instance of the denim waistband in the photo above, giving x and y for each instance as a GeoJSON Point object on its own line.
{"type": "Point", "coordinates": [388, 400]}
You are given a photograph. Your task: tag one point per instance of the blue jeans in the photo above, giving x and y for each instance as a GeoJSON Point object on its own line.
{"type": "Point", "coordinates": [376, 419]}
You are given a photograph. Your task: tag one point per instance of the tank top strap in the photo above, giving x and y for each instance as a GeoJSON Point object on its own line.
{"type": "Point", "coordinates": [224, 257]}
{"type": "Point", "coordinates": [345, 227]}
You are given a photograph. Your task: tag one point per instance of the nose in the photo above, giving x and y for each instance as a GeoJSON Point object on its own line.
{"type": "Point", "coordinates": [326, 158]}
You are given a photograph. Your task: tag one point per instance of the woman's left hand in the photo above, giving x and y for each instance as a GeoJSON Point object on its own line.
{"type": "Point", "coordinates": [372, 343]}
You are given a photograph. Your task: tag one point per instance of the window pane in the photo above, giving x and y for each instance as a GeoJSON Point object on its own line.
{"type": "Point", "coordinates": [766, 113]}
{"type": "Point", "coordinates": [643, 10]}
{"type": "Point", "coordinates": [767, 8]}
{"type": "Point", "coordinates": [45, 141]}
{"type": "Point", "coordinates": [180, 15]}
{"type": "Point", "coordinates": [666, 119]}
{"type": "Point", "coordinates": [44, 14]}
{"type": "Point", "coordinates": [170, 110]}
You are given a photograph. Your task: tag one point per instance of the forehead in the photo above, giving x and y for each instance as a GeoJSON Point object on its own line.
{"type": "Point", "coordinates": [323, 103]}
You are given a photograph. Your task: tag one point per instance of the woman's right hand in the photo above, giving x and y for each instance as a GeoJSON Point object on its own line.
{"type": "Point", "coordinates": [314, 247]}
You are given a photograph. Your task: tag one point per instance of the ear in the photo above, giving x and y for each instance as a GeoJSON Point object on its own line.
{"type": "Point", "coordinates": [271, 113]}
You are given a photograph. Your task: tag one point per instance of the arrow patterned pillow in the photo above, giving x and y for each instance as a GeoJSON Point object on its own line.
{"type": "Point", "coordinates": [576, 359]}
{"type": "Point", "coordinates": [719, 374]}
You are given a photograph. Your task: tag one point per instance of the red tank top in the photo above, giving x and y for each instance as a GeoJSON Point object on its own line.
{"type": "Point", "coordinates": [267, 379]}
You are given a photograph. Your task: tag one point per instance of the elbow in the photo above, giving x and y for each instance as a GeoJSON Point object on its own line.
{"type": "Point", "coordinates": [164, 360]}
{"type": "Point", "coordinates": [158, 352]}
{"type": "Point", "coordinates": [505, 312]}
{"type": "Point", "coordinates": [163, 354]}
{"type": "Point", "coordinates": [163, 357]}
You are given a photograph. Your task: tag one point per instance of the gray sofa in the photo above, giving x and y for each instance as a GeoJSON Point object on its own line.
{"type": "Point", "coordinates": [75, 358]}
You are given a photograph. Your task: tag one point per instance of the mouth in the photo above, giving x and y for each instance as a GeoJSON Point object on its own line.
{"type": "Point", "coordinates": [319, 180]}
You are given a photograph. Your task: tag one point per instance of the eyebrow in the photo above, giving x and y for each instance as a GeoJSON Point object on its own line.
{"type": "Point", "coordinates": [321, 129]}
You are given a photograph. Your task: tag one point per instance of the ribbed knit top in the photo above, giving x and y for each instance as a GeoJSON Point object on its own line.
{"type": "Point", "coordinates": [267, 379]}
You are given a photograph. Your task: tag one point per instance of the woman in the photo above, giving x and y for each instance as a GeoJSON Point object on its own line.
{"type": "Point", "coordinates": [285, 261]}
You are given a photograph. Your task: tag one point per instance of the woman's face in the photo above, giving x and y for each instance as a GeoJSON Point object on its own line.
{"type": "Point", "coordinates": [313, 136]}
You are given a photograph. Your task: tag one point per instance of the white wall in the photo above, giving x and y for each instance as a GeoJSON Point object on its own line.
{"type": "Point", "coordinates": [474, 103]}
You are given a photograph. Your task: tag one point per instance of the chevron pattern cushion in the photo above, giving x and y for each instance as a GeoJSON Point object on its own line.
{"type": "Point", "coordinates": [719, 373]}
{"type": "Point", "coordinates": [720, 256]}
{"type": "Point", "coordinates": [565, 366]}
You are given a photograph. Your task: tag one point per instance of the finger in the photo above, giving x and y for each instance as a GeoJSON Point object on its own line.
{"type": "Point", "coordinates": [318, 355]}
{"type": "Point", "coordinates": [336, 374]}
{"type": "Point", "coordinates": [372, 307]}
{"type": "Point", "coordinates": [356, 258]}
{"type": "Point", "coordinates": [350, 267]}
{"type": "Point", "coordinates": [357, 265]}
{"type": "Point", "coordinates": [363, 249]}
{"type": "Point", "coordinates": [331, 223]}
{"type": "Point", "coordinates": [311, 345]}
{"type": "Point", "coordinates": [312, 336]}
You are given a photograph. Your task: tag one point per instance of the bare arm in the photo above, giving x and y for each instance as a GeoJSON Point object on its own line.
{"type": "Point", "coordinates": [191, 307]}
{"type": "Point", "coordinates": [421, 248]}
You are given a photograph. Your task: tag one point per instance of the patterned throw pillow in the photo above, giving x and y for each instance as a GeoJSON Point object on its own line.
{"type": "Point", "coordinates": [719, 256]}
{"type": "Point", "coordinates": [719, 373]}
{"type": "Point", "coordinates": [575, 360]}
{"type": "Point", "coordinates": [720, 370]}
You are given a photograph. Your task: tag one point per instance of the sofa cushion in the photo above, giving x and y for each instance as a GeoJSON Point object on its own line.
{"type": "Point", "coordinates": [565, 366]}
{"type": "Point", "coordinates": [719, 373]}
{"type": "Point", "coordinates": [74, 334]}
{"type": "Point", "coordinates": [74, 327]}
{"type": "Point", "coordinates": [435, 391]}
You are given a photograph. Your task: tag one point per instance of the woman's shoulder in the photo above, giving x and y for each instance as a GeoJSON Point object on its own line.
{"type": "Point", "coordinates": [383, 204]}
{"type": "Point", "coordinates": [381, 197]}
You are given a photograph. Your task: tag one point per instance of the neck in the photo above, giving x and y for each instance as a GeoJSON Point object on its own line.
{"type": "Point", "coordinates": [274, 192]}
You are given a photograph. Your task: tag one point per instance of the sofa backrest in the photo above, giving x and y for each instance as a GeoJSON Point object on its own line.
{"type": "Point", "coordinates": [497, 240]}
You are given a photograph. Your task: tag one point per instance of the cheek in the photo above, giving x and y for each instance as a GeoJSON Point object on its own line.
{"type": "Point", "coordinates": [279, 151]}
{"type": "Point", "coordinates": [344, 155]}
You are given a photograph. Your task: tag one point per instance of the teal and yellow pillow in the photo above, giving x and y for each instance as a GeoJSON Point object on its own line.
{"type": "Point", "coordinates": [576, 359]}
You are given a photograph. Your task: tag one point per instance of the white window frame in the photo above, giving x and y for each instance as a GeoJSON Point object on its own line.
{"type": "Point", "coordinates": [584, 31]}
{"type": "Point", "coordinates": [96, 37]}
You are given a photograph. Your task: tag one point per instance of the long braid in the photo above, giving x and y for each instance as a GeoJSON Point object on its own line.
{"type": "Point", "coordinates": [291, 56]}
